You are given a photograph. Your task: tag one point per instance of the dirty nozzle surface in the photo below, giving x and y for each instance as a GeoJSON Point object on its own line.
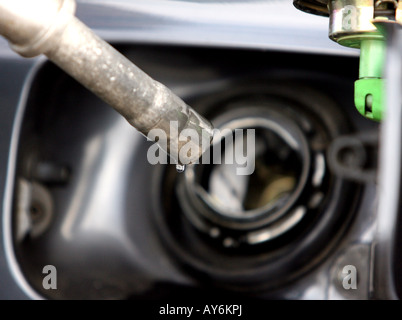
{"type": "Point", "coordinates": [49, 27]}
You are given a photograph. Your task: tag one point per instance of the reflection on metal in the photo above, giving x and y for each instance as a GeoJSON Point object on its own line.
{"type": "Point", "coordinates": [180, 168]}
{"type": "Point", "coordinates": [271, 233]}
{"type": "Point", "coordinates": [389, 175]}
{"type": "Point", "coordinates": [319, 172]}
{"type": "Point", "coordinates": [91, 152]}
{"type": "Point", "coordinates": [23, 221]}
{"type": "Point", "coordinates": [34, 209]}
{"type": "Point", "coordinates": [99, 212]}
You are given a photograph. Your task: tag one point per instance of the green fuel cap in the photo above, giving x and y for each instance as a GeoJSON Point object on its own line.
{"type": "Point", "coordinates": [369, 97]}
{"type": "Point", "coordinates": [369, 89]}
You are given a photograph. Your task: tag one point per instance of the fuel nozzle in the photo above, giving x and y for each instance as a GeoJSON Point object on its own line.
{"type": "Point", "coordinates": [50, 27]}
{"type": "Point", "coordinates": [353, 23]}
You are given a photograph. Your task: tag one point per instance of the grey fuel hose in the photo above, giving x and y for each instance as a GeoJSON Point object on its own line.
{"type": "Point", "coordinates": [50, 27]}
